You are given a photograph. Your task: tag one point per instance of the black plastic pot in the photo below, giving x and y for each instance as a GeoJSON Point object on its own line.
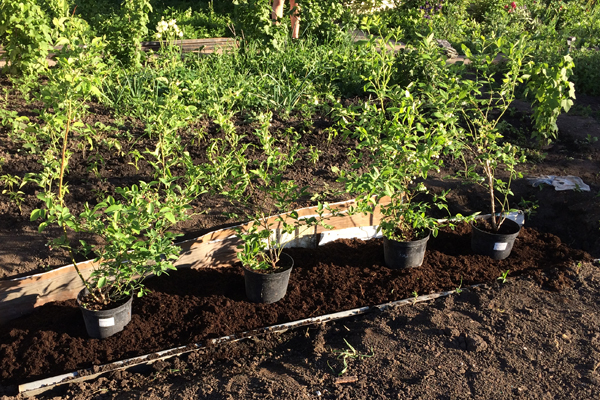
{"type": "Point", "coordinates": [267, 287]}
{"type": "Point", "coordinates": [104, 323]}
{"type": "Point", "coordinates": [400, 255]}
{"type": "Point", "coordinates": [495, 245]}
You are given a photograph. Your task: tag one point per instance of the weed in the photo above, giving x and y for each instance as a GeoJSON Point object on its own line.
{"type": "Point", "coordinates": [529, 207]}
{"type": "Point", "coordinates": [314, 154]}
{"type": "Point", "coordinates": [10, 181]}
{"type": "Point", "coordinates": [504, 276]}
{"type": "Point", "coordinates": [587, 141]}
{"type": "Point", "coordinates": [552, 92]}
{"type": "Point", "coordinates": [331, 134]}
{"type": "Point", "coordinates": [415, 295]}
{"type": "Point", "coordinates": [583, 111]}
{"type": "Point", "coordinates": [136, 156]}
{"type": "Point", "coordinates": [344, 355]}
{"type": "Point", "coordinates": [459, 290]}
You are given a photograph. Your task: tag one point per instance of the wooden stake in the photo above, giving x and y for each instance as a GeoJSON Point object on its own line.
{"type": "Point", "coordinates": [345, 379]}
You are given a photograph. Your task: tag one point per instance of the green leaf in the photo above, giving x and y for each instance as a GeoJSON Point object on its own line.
{"type": "Point", "coordinates": [101, 282]}
{"type": "Point", "coordinates": [35, 214]}
{"type": "Point", "coordinates": [114, 207]}
{"type": "Point", "coordinates": [170, 217]}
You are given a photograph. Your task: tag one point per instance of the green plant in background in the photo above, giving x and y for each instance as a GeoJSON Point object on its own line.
{"type": "Point", "coordinates": [168, 33]}
{"type": "Point", "coordinates": [552, 93]}
{"type": "Point", "coordinates": [253, 22]}
{"type": "Point", "coordinates": [197, 19]}
{"type": "Point", "coordinates": [25, 34]}
{"type": "Point", "coordinates": [329, 20]}
{"type": "Point", "coordinates": [344, 355]}
{"type": "Point", "coordinates": [424, 64]}
{"type": "Point", "coordinates": [378, 81]}
{"type": "Point", "coordinates": [284, 95]}
{"type": "Point", "coordinates": [124, 28]}
{"type": "Point", "coordinates": [586, 71]}
{"type": "Point", "coordinates": [71, 85]}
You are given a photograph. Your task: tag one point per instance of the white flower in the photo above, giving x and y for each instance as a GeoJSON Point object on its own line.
{"type": "Point", "coordinates": [162, 26]}
{"type": "Point", "coordinates": [158, 35]}
{"type": "Point", "coordinates": [180, 34]}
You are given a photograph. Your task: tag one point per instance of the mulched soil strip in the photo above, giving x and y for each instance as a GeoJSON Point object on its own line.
{"type": "Point", "coordinates": [37, 387]}
{"type": "Point", "coordinates": [194, 306]}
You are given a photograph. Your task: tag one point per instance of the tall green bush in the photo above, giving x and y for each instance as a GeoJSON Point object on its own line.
{"type": "Point", "coordinates": [25, 34]}
{"type": "Point", "coordinates": [552, 92]}
{"type": "Point", "coordinates": [253, 22]}
{"type": "Point", "coordinates": [125, 28]}
{"type": "Point", "coordinates": [586, 74]}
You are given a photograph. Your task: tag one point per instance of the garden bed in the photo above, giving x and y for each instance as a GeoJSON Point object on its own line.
{"type": "Point", "coordinates": [342, 119]}
{"type": "Point", "coordinates": [513, 340]}
{"type": "Point", "coordinates": [192, 305]}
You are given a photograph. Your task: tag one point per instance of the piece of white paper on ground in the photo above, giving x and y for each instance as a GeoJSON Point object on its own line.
{"type": "Point", "coordinates": [568, 182]}
{"type": "Point", "coordinates": [358, 232]}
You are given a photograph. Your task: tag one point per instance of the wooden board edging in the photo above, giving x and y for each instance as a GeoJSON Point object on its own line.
{"type": "Point", "coordinates": [19, 296]}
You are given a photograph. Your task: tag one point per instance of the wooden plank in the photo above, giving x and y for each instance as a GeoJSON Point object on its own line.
{"type": "Point", "coordinates": [216, 249]}
{"type": "Point", "coordinates": [200, 46]}
{"type": "Point", "coordinates": [21, 295]}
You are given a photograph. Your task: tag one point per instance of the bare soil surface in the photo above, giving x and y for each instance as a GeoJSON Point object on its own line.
{"type": "Point", "coordinates": [534, 337]}
{"type": "Point", "coordinates": [505, 341]}
{"type": "Point", "coordinates": [191, 306]}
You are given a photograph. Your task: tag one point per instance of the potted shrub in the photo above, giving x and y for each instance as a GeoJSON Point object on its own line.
{"type": "Point", "coordinates": [133, 243]}
{"type": "Point", "coordinates": [266, 267]}
{"type": "Point", "coordinates": [394, 151]}
{"type": "Point", "coordinates": [482, 103]}
{"type": "Point", "coordinates": [130, 229]}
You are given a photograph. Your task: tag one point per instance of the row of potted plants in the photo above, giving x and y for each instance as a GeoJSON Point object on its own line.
{"type": "Point", "coordinates": [398, 145]}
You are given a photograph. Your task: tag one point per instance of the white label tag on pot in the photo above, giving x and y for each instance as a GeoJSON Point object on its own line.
{"type": "Point", "coordinates": [106, 322]}
{"type": "Point", "coordinates": [500, 246]}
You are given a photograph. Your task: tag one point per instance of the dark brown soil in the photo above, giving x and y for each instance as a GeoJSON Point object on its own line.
{"type": "Point", "coordinates": [535, 337]}
{"type": "Point", "coordinates": [504, 341]}
{"type": "Point", "coordinates": [193, 305]}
